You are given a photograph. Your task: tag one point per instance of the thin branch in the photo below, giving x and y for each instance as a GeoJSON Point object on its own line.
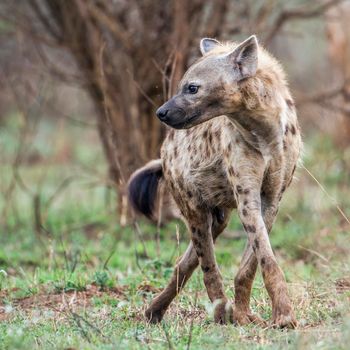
{"type": "Point", "coordinates": [44, 19]}
{"type": "Point", "coordinates": [141, 90]}
{"type": "Point", "coordinates": [302, 12]}
{"type": "Point", "coordinates": [110, 22]}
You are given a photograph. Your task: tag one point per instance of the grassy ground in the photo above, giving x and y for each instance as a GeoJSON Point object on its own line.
{"type": "Point", "coordinates": [83, 282]}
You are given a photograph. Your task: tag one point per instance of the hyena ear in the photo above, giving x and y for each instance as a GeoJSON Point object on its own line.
{"type": "Point", "coordinates": [207, 45]}
{"type": "Point", "coordinates": [245, 57]}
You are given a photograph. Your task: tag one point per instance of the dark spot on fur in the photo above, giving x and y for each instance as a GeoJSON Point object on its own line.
{"type": "Point", "coordinates": [205, 268]}
{"type": "Point", "coordinates": [263, 261]}
{"type": "Point", "coordinates": [244, 212]}
{"type": "Point", "coordinates": [284, 145]}
{"type": "Point", "coordinates": [175, 152]}
{"type": "Point", "coordinates": [210, 138]}
{"type": "Point", "coordinates": [239, 189]}
{"type": "Point", "coordinates": [193, 229]}
{"type": "Point", "coordinates": [245, 202]}
{"type": "Point", "coordinates": [290, 103]}
{"type": "Point", "coordinates": [200, 254]}
{"type": "Point", "coordinates": [246, 191]}
{"type": "Point", "coordinates": [256, 243]}
{"type": "Point", "coordinates": [205, 134]}
{"type": "Point", "coordinates": [293, 130]}
{"type": "Point", "coordinates": [249, 228]}
{"type": "Point", "coordinates": [196, 242]}
{"type": "Point", "coordinates": [189, 193]}
{"type": "Point", "coordinates": [229, 147]}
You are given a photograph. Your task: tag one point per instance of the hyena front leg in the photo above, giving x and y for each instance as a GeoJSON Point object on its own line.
{"type": "Point", "coordinates": [249, 209]}
{"type": "Point", "coordinates": [247, 270]}
{"type": "Point", "coordinates": [183, 271]}
{"type": "Point", "coordinates": [204, 246]}
{"type": "Point", "coordinates": [243, 286]}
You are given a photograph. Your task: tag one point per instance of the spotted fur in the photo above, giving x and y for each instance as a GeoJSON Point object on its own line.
{"type": "Point", "coordinates": [236, 145]}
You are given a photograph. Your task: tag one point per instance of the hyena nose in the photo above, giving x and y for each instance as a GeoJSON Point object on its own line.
{"type": "Point", "coordinates": [161, 113]}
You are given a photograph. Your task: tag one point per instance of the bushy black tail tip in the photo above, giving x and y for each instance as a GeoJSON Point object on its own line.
{"type": "Point", "coordinates": [143, 188]}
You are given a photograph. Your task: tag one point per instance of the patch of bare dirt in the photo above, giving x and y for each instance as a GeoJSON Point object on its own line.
{"type": "Point", "coordinates": [342, 284]}
{"type": "Point", "coordinates": [56, 302]}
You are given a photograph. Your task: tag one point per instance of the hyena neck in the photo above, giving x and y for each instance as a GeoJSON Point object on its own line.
{"type": "Point", "coordinates": [263, 129]}
{"type": "Point", "coordinates": [263, 115]}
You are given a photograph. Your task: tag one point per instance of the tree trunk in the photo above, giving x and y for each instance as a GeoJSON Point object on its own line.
{"type": "Point", "coordinates": [128, 70]}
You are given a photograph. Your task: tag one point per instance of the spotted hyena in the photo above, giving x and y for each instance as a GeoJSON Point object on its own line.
{"type": "Point", "coordinates": [234, 142]}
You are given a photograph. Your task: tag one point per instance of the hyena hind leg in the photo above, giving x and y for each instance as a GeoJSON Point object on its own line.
{"type": "Point", "coordinates": [183, 271]}
{"type": "Point", "coordinates": [243, 286]}
{"type": "Point", "coordinates": [201, 231]}
{"type": "Point", "coordinates": [275, 283]}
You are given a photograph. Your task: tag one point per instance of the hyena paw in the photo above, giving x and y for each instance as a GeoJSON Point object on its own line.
{"type": "Point", "coordinates": [153, 315]}
{"type": "Point", "coordinates": [283, 316]}
{"type": "Point", "coordinates": [223, 312]}
{"type": "Point", "coordinates": [243, 318]}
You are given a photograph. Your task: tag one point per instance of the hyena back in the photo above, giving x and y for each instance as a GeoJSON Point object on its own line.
{"type": "Point", "coordinates": [234, 143]}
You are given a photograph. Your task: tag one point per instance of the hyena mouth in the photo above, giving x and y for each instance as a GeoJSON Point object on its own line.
{"type": "Point", "coordinates": [187, 123]}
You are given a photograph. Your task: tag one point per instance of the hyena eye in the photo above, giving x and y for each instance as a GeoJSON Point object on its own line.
{"type": "Point", "coordinates": [193, 89]}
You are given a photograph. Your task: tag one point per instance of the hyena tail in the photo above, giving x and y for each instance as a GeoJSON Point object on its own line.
{"type": "Point", "coordinates": [147, 195]}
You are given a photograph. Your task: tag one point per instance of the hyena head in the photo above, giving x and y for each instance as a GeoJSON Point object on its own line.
{"type": "Point", "coordinates": [210, 86]}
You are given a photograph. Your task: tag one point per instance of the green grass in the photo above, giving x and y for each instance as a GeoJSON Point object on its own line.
{"type": "Point", "coordinates": [84, 282]}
